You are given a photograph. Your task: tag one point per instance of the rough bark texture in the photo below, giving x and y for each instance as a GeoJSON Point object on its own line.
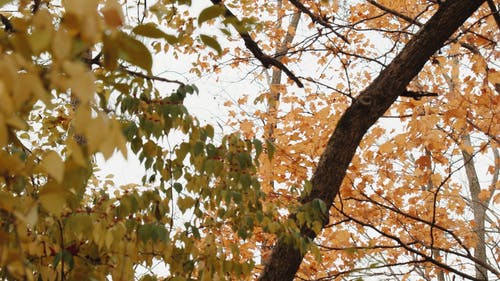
{"type": "Point", "coordinates": [285, 259]}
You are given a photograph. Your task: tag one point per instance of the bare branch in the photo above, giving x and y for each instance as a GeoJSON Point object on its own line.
{"type": "Point", "coordinates": [97, 61]}
{"type": "Point", "coordinates": [317, 19]}
{"type": "Point", "coordinates": [150, 77]}
{"type": "Point", "coordinates": [417, 95]}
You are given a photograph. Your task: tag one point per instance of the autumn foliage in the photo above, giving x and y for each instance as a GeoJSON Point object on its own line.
{"type": "Point", "coordinates": [221, 197]}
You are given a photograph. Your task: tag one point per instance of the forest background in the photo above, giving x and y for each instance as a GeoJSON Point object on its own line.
{"type": "Point", "coordinates": [350, 140]}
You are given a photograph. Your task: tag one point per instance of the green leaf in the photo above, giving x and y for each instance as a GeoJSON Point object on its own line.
{"type": "Point", "coordinates": [151, 30]}
{"type": "Point", "coordinates": [185, 203]}
{"type": "Point", "coordinates": [258, 147]}
{"type": "Point", "coordinates": [198, 148]}
{"type": "Point", "coordinates": [210, 13]}
{"type": "Point", "coordinates": [210, 131]}
{"type": "Point", "coordinates": [211, 42]}
{"type": "Point", "coordinates": [57, 259]}
{"type": "Point", "coordinates": [133, 51]}
{"type": "Point", "coordinates": [270, 149]}
{"type": "Point", "coordinates": [178, 187]}
{"type": "Point", "coordinates": [80, 224]}
{"type": "Point", "coordinates": [52, 198]}
{"type": "Point", "coordinates": [307, 188]}
{"type": "Point", "coordinates": [148, 277]}
{"type": "Point", "coordinates": [68, 258]}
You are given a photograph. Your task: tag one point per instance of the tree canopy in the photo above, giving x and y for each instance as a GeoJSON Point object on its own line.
{"type": "Point", "coordinates": [355, 140]}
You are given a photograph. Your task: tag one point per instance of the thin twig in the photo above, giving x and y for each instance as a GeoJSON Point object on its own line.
{"type": "Point", "coordinates": [97, 61]}
{"type": "Point", "coordinates": [150, 77]}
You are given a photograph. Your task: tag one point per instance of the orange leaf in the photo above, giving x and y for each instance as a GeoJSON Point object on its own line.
{"type": "Point", "coordinates": [484, 195]}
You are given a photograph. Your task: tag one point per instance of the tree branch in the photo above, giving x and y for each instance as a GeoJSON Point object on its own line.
{"type": "Point", "coordinates": [266, 60]}
{"type": "Point", "coordinates": [395, 13]}
{"type": "Point", "coordinates": [467, 46]}
{"type": "Point", "coordinates": [372, 103]}
{"type": "Point", "coordinates": [494, 11]}
{"type": "Point", "coordinates": [97, 61]}
{"type": "Point", "coordinates": [316, 19]}
{"type": "Point", "coordinates": [417, 95]}
{"type": "Point", "coordinates": [7, 25]}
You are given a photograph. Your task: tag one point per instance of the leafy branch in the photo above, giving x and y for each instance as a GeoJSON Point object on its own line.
{"type": "Point", "coordinates": [266, 60]}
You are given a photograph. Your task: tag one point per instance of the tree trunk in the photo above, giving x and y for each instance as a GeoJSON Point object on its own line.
{"type": "Point", "coordinates": [478, 209]}
{"type": "Point", "coordinates": [274, 97]}
{"type": "Point", "coordinates": [285, 259]}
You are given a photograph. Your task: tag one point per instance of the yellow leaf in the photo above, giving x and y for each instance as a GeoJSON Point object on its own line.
{"type": "Point", "coordinates": [81, 81]}
{"type": "Point", "coordinates": [484, 195]}
{"type": "Point", "coordinates": [53, 165]}
{"type": "Point", "coordinates": [342, 237]}
{"type": "Point", "coordinates": [478, 63]}
{"type": "Point", "coordinates": [31, 216]}
{"type": "Point", "coordinates": [75, 152]}
{"type": "Point", "coordinates": [53, 198]}
{"type": "Point", "coordinates": [83, 16]}
{"type": "Point", "coordinates": [6, 105]}
{"type": "Point", "coordinates": [22, 94]}
{"type": "Point", "coordinates": [113, 14]}
{"type": "Point", "coordinates": [247, 128]}
{"type": "Point", "coordinates": [119, 139]}
{"type": "Point", "coordinates": [467, 148]}
{"type": "Point", "coordinates": [108, 240]}
{"type": "Point", "coordinates": [3, 132]}
{"type": "Point", "coordinates": [496, 199]}
{"type": "Point", "coordinates": [17, 122]}
{"type": "Point", "coordinates": [278, 89]}
{"type": "Point", "coordinates": [3, 2]}
{"type": "Point", "coordinates": [494, 76]}
{"type": "Point", "coordinates": [133, 51]}
{"type": "Point", "coordinates": [436, 179]}
{"type": "Point", "coordinates": [114, 140]}
{"type": "Point", "coordinates": [385, 147]}
{"type": "Point", "coordinates": [61, 45]}
{"type": "Point", "coordinates": [41, 36]}
{"type": "Point", "coordinates": [37, 87]}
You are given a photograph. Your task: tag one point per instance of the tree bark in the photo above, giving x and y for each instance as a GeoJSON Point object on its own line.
{"type": "Point", "coordinates": [372, 102]}
{"type": "Point", "coordinates": [478, 209]}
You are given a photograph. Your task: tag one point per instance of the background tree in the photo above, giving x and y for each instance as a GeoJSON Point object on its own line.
{"type": "Point", "coordinates": [77, 80]}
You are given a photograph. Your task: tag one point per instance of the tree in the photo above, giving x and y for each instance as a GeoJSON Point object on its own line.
{"type": "Point", "coordinates": [371, 104]}
{"type": "Point", "coordinates": [240, 206]}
